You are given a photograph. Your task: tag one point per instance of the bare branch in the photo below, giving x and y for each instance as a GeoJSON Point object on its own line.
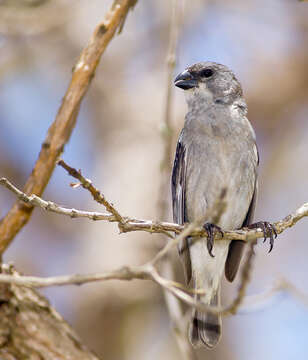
{"type": "Point", "coordinates": [171, 244]}
{"type": "Point", "coordinates": [158, 227]}
{"type": "Point", "coordinates": [62, 127]}
{"type": "Point", "coordinates": [123, 273]}
{"type": "Point", "coordinates": [148, 271]}
{"type": "Point", "coordinates": [35, 200]}
{"type": "Point", "coordinates": [143, 272]}
{"type": "Point", "coordinates": [97, 196]}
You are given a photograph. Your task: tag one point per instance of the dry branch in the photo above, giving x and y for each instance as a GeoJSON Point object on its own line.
{"type": "Point", "coordinates": [148, 271]}
{"type": "Point", "coordinates": [97, 196]}
{"type": "Point", "coordinates": [143, 272]}
{"type": "Point", "coordinates": [61, 129]}
{"type": "Point", "coordinates": [159, 227]}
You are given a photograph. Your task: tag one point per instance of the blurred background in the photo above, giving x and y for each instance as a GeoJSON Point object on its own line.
{"type": "Point", "coordinates": [117, 143]}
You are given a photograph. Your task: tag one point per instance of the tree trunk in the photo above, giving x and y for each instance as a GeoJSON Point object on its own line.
{"type": "Point", "coordinates": [31, 329]}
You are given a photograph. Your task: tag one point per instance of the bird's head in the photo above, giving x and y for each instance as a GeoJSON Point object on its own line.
{"type": "Point", "coordinates": [211, 81]}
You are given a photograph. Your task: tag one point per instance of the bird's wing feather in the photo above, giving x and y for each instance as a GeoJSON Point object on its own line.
{"type": "Point", "coordinates": [236, 247]}
{"type": "Point", "coordinates": [178, 187]}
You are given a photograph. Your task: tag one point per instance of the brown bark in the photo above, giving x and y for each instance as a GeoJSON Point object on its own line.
{"type": "Point", "coordinates": [31, 329]}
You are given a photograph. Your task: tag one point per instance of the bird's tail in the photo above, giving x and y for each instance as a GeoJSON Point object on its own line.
{"type": "Point", "coordinates": [205, 328]}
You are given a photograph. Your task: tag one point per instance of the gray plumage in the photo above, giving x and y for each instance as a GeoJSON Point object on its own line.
{"type": "Point", "coordinates": [216, 150]}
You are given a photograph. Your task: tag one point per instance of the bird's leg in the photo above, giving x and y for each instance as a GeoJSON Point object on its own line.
{"type": "Point", "coordinates": [211, 230]}
{"type": "Point", "coordinates": [268, 229]}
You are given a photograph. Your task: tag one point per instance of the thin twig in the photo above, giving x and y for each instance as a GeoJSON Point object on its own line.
{"type": "Point", "coordinates": [62, 127]}
{"type": "Point", "coordinates": [35, 200]}
{"type": "Point", "coordinates": [97, 196]}
{"type": "Point", "coordinates": [172, 243]}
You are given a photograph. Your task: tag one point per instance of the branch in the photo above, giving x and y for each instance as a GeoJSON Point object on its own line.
{"type": "Point", "coordinates": [148, 271]}
{"type": "Point", "coordinates": [97, 196]}
{"type": "Point", "coordinates": [159, 227]}
{"type": "Point", "coordinates": [35, 200]}
{"type": "Point", "coordinates": [143, 272]}
{"type": "Point", "coordinates": [62, 127]}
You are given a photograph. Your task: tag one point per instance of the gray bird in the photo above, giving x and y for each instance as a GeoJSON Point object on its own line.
{"type": "Point", "coordinates": [216, 152]}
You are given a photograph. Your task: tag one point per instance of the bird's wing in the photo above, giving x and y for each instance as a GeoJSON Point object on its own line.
{"type": "Point", "coordinates": [178, 187]}
{"type": "Point", "coordinates": [236, 247]}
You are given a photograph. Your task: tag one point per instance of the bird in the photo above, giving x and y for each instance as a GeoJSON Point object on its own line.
{"type": "Point", "coordinates": [216, 156]}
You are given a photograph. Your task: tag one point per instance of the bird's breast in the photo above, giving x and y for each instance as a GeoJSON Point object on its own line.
{"type": "Point", "coordinates": [219, 162]}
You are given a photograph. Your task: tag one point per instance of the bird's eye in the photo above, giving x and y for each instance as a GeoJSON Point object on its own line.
{"type": "Point", "coordinates": [206, 73]}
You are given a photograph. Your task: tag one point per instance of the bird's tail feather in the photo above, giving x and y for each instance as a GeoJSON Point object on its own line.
{"type": "Point", "coordinates": [205, 328]}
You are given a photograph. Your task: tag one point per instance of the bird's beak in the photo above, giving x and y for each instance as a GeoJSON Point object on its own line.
{"type": "Point", "coordinates": [185, 80]}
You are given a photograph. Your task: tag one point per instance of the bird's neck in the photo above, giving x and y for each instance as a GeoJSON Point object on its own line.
{"type": "Point", "coordinates": [203, 100]}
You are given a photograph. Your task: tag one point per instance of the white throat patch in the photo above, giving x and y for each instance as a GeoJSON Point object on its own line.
{"type": "Point", "coordinates": [198, 92]}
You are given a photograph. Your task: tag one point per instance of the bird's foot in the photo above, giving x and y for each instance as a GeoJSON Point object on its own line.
{"type": "Point", "coordinates": [269, 231]}
{"type": "Point", "coordinates": [211, 230]}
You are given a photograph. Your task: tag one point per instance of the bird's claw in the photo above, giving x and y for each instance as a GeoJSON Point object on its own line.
{"type": "Point", "coordinates": [211, 230]}
{"type": "Point", "coordinates": [269, 231]}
